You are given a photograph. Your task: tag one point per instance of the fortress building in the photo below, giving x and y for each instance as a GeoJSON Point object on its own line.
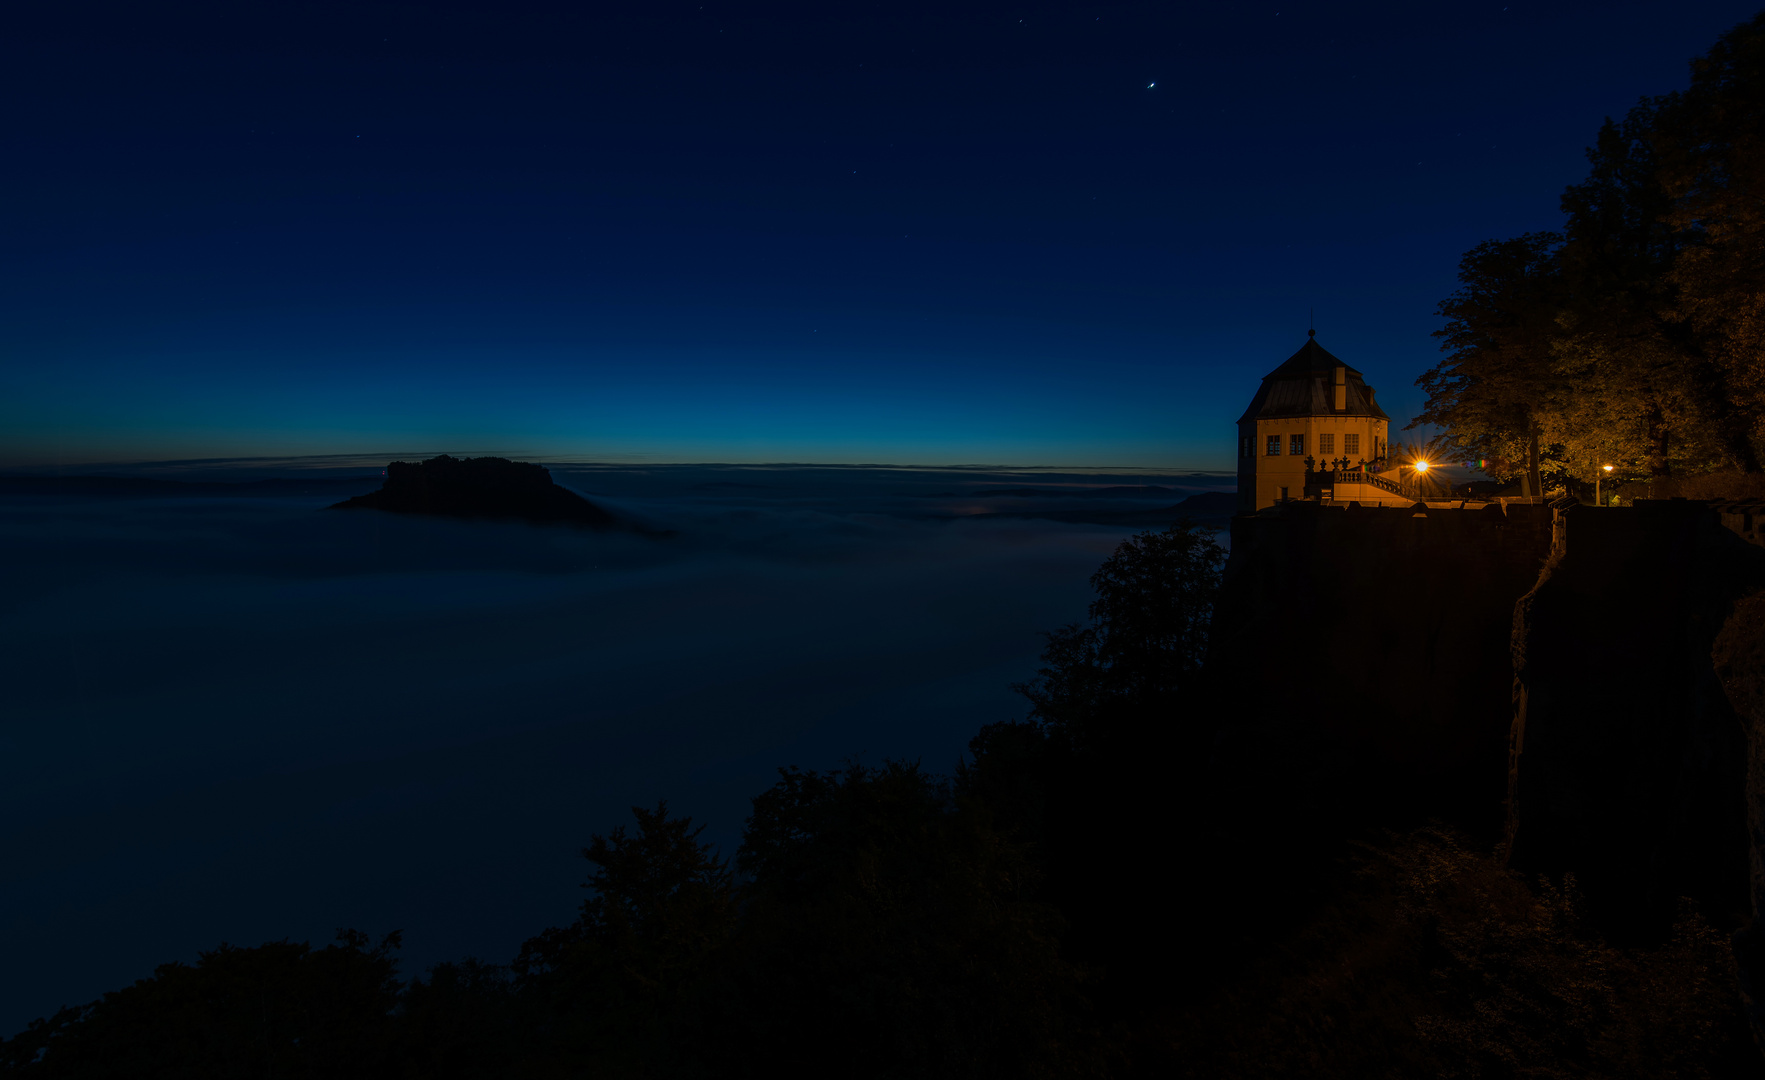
{"type": "Point", "coordinates": [1314, 431]}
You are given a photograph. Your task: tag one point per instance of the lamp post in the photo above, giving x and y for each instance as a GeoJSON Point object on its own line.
{"type": "Point", "coordinates": [1604, 471]}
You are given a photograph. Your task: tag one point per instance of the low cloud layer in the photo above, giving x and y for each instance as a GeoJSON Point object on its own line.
{"type": "Point", "coordinates": [241, 718]}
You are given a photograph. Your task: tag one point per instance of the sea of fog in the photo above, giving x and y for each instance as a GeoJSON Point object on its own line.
{"type": "Point", "coordinates": [230, 716]}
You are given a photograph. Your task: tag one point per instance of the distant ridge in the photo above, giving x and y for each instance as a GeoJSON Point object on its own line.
{"type": "Point", "coordinates": [485, 487]}
{"type": "Point", "coordinates": [153, 487]}
{"type": "Point", "coordinates": [1140, 492]}
{"type": "Point", "coordinates": [1210, 509]}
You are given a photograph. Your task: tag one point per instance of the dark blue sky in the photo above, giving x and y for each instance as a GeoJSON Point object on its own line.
{"type": "Point", "coordinates": [957, 233]}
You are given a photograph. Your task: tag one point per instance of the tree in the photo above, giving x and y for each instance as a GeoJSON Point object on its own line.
{"type": "Point", "coordinates": [1634, 336]}
{"type": "Point", "coordinates": [1711, 144]}
{"type": "Point", "coordinates": [1145, 642]}
{"type": "Point", "coordinates": [1641, 387]}
{"type": "Point", "coordinates": [464, 1022]}
{"type": "Point", "coordinates": [1109, 762]}
{"type": "Point", "coordinates": [889, 928]}
{"type": "Point", "coordinates": [1490, 393]}
{"type": "Point", "coordinates": [281, 1009]}
{"type": "Point", "coordinates": [611, 988]}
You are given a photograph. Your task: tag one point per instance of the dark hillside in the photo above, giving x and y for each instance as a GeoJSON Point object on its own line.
{"type": "Point", "coordinates": [1197, 855]}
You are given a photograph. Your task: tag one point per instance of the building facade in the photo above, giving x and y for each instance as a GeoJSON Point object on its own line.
{"type": "Point", "coordinates": [1313, 430]}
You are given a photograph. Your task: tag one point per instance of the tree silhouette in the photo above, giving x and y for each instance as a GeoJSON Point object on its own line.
{"type": "Point", "coordinates": [1145, 642]}
{"type": "Point", "coordinates": [609, 988]}
{"type": "Point", "coordinates": [1091, 782]}
{"type": "Point", "coordinates": [282, 1009]}
{"type": "Point", "coordinates": [1634, 336]}
{"type": "Point", "coordinates": [890, 929]}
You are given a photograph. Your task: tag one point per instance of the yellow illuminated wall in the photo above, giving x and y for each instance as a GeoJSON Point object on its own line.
{"type": "Point", "coordinates": [1262, 477]}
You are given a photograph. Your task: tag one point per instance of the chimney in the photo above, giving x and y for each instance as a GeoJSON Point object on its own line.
{"type": "Point", "coordinates": [1341, 404]}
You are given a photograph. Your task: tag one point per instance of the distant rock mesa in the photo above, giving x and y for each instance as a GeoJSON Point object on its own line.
{"type": "Point", "coordinates": [485, 487]}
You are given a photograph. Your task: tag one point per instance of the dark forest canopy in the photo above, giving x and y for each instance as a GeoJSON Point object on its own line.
{"type": "Point", "coordinates": [901, 922]}
{"type": "Point", "coordinates": [1069, 903]}
{"type": "Point", "coordinates": [1635, 336]}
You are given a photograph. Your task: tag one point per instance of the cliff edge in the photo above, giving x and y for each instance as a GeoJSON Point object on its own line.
{"type": "Point", "coordinates": [1628, 761]}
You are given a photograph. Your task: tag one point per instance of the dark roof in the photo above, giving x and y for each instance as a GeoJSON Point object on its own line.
{"type": "Point", "coordinates": [1304, 386]}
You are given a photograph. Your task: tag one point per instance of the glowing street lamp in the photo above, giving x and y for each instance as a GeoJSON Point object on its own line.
{"type": "Point", "coordinates": [1420, 468]}
{"type": "Point", "coordinates": [1605, 471]}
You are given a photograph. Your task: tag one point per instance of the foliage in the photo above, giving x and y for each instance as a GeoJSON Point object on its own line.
{"type": "Point", "coordinates": [892, 929]}
{"type": "Point", "coordinates": [1713, 167]}
{"type": "Point", "coordinates": [465, 1022]}
{"type": "Point", "coordinates": [1500, 324]}
{"type": "Point", "coordinates": [1145, 642]}
{"type": "Point", "coordinates": [1633, 336]}
{"type": "Point", "coordinates": [610, 988]}
{"type": "Point", "coordinates": [1064, 906]}
{"type": "Point", "coordinates": [1437, 961]}
{"type": "Point", "coordinates": [1097, 770]}
{"type": "Point", "coordinates": [658, 896]}
{"type": "Point", "coordinates": [282, 1009]}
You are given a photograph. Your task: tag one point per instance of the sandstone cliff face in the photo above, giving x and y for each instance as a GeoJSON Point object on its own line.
{"type": "Point", "coordinates": [1739, 655]}
{"type": "Point", "coordinates": [1584, 684]}
{"type": "Point", "coordinates": [1361, 660]}
{"type": "Point", "coordinates": [1627, 760]}
{"type": "Point", "coordinates": [487, 487]}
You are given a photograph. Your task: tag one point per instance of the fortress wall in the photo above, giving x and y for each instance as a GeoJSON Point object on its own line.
{"type": "Point", "coordinates": [1362, 664]}
{"type": "Point", "coordinates": [1583, 682]}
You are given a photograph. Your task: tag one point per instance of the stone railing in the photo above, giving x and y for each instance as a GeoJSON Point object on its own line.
{"type": "Point", "coordinates": [1331, 477]}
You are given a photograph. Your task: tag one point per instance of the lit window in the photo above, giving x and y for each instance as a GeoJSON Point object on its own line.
{"type": "Point", "coordinates": [1351, 443]}
{"type": "Point", "coordinates": [1296, 445]}
{"type": "Point", "coordinates": [1274, 446]}
{"type": "Point", "coordinates": [1327, 442]}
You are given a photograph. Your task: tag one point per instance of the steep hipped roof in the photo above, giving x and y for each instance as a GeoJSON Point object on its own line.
{"type": "Point", "coordinates": [1305, 386]}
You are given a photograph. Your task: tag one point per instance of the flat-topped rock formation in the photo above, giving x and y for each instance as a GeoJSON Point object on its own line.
{"type": "Point", "coordinates": [486, 487]}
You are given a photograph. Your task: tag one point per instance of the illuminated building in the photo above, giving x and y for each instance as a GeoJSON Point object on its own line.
{"type": "Point", "coordinates": [1314, 431]}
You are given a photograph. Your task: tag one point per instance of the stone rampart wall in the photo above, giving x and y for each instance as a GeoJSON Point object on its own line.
{"type": "Point", "coordinates": [1585, 685]}
{"type": "Point", "coordinates": [1362, 657]}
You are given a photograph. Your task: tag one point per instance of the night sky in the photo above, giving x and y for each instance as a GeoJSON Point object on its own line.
{"type": "Point", "coordinates": [653, 246]}
{"type": "Point", "coordinates": [863, 232]}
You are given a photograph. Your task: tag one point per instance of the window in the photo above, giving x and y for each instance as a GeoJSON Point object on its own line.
{"type": "Point", "coordinates": [1327, 442]}
{"type": "Point", "coordinates": [1351, 443]}
{"type": "Point", "coordinates": [1283, 494]}
{"type": "Point", "coordinates": [1296, 446]}
{"type": "Point", "coordinates": [1274, 446]}
{"type": "Point", "coordinates": [1247, 446]}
